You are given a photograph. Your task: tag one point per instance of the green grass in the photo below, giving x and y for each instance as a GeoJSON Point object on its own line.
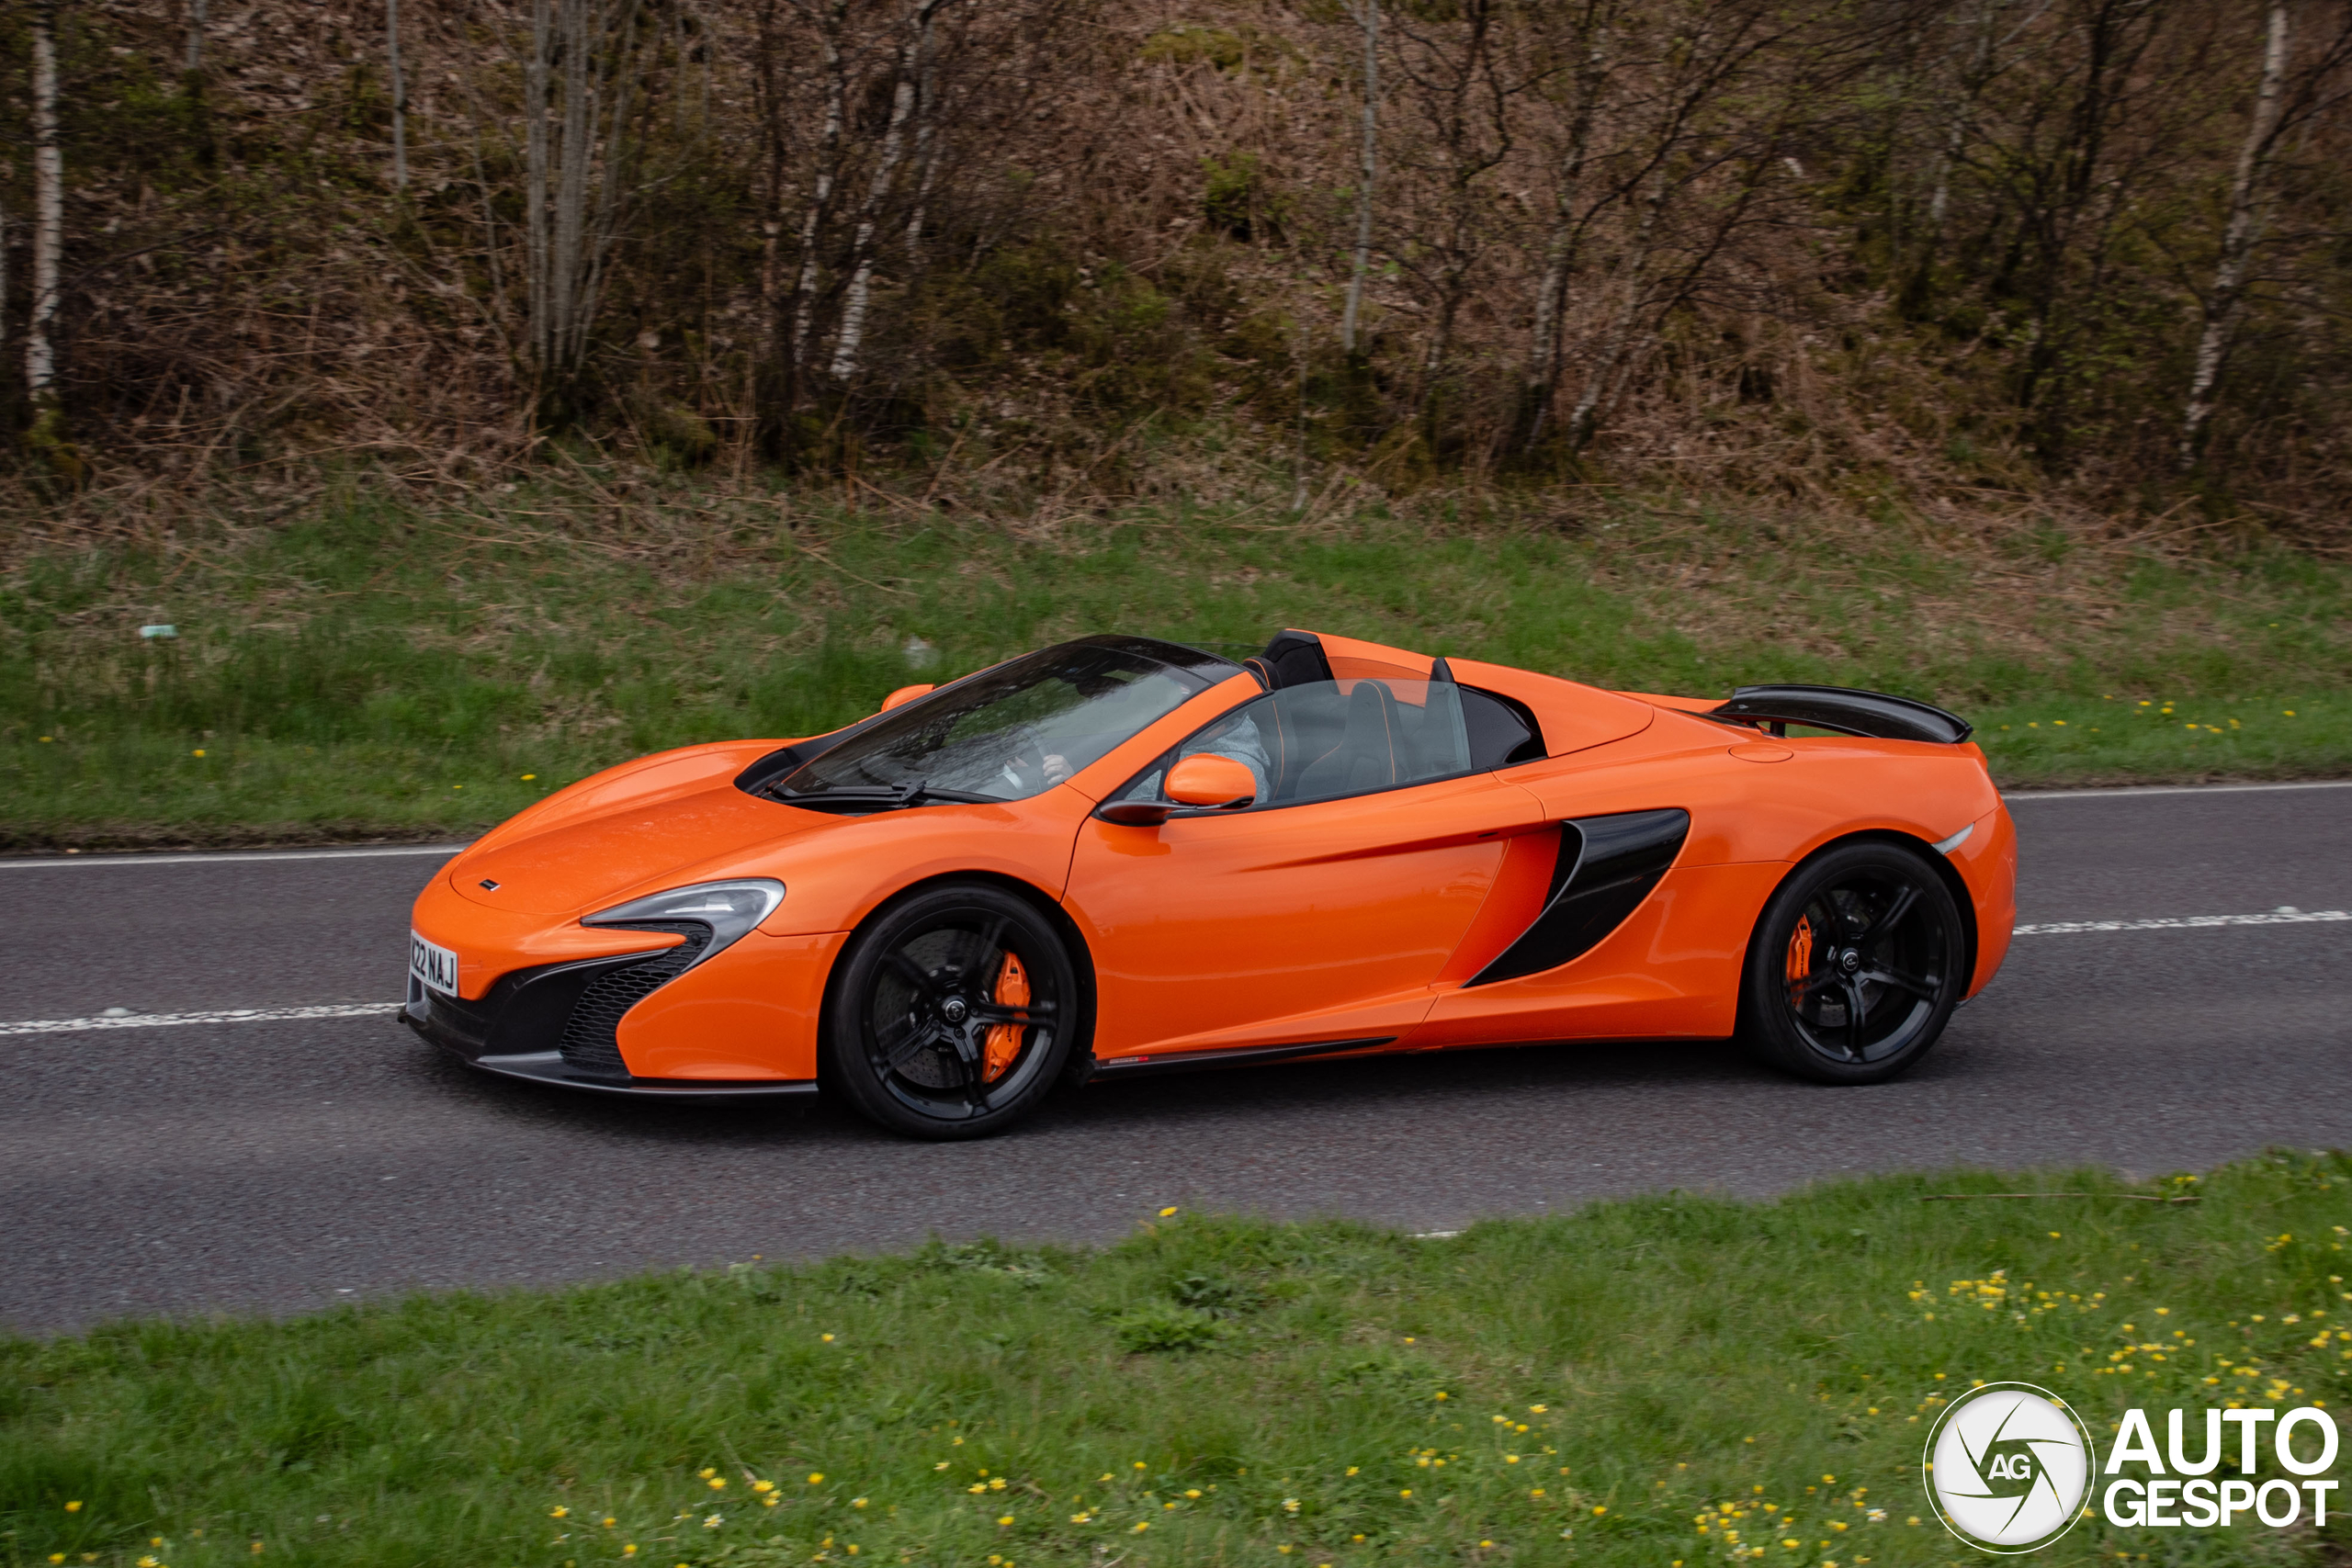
{"type": "Point", "coordinates": [1210, 1391]}
{"type": "Point", "coordinates": [372, 667]}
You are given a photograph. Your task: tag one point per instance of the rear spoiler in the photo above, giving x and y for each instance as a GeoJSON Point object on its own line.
{"type": "Point", "coordinates": [1844, 710]}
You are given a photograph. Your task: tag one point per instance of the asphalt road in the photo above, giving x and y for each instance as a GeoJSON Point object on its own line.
{"type": "Point", "coordinates": [281, 1166]}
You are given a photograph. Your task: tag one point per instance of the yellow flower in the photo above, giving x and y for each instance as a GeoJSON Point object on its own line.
{"type": "Point", "coordinates": [826, 1338]}
{"type": "Point", "coordinates": [1441, 1393]}
{"type": "Point", "coordinates": [1004, 1519]}
{"type": "Point", "coordinates": [1141, 1526]}
{"type": "Point", "coordinates": [763, 1485]}
{"type": "Point", "coordinates": [719, 1483]}
{"type": "Point", "coordinates": [1598, 1511]}
{"type": "Point", "coordinates": [557, 1513]}
{"type": "Point", "coordinates": [198, 752]}
{"type": "Point", "coordinates": [1408, 1492]}
{"type": "Point", "coordinates": [814, 1477]}
{"type": "Point", "coordinates": [770, 1500]}
{"type": "Point", "coordinates": [1164, 1213]}
{"type": "Point", "coordinates": [629, 1550]}
{"type": "Point", "coordinates": [857, 1502]}
{"type": "Point", "coordinates": [527, 777]}
{"type": "Point", "coordinates": [1538, 1409]}
{"type": "Point", "coordinates": [74, 1508]}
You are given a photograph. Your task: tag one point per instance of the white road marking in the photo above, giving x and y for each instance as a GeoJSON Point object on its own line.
{"type": "Point", "coordinates": [2171, 789]}
{"type": "Point", "coordinates": [2285, 916]}
{"type": "Point", "coordinates": [231, 856]}
{"type": "Point", "coordinates": [118, 1020]}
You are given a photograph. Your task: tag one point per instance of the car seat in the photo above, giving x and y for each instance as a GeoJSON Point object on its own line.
{"type": "Point", "coordinates": [1365, 757]}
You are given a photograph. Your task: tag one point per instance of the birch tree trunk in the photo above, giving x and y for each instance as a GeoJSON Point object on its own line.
{"type": "Point", "coordinates": [854, 302]}
{"type": "Point", "coordinates": [1600, 383]}
{"type": "Point", "coordinates": [1368, 17]}
{"type": "Point", "coordinates": [820, 195]}
{"type": "Point", "coordinates": [577, 171]}
{"type": "Point", "coordinates": [195, 35]}
{"type": "Point", "coordinates": [537, 285]}
{"type": "Point", "coordinates": [926, 135]}
{"type": "Point", "coordinates": [1559, 249]}
{"type": "Point", "coordinates": [2225, 301]}
{"type": "Point", "coordinates": [48, 213]}
{"type": "Point", "coordinates": [400, 94]}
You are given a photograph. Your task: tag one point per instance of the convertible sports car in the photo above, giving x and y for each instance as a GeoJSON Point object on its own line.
{"type": "Point", "coordinates": [1119, 856]}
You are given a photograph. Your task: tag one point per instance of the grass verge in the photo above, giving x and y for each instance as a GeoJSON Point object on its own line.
{"type": "Point", "coordinates": [374, 668]}
{"type": "Point", "coordinates": [1588, 1388]}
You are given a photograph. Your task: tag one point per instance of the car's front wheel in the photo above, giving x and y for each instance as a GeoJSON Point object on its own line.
{"type": "Point", "coordinates": [954, 1014]}
{"type": "Point", "coordinates": [1855, 967]}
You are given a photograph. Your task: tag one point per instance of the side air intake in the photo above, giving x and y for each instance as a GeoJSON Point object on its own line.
{"type": "Point", "coordinates": [591, 1042]}
{"type": "Point", "coordinates": [1607, 866]}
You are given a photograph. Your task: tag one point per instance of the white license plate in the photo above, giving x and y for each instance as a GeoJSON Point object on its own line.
{"type": "Point", "coordinates": [433, 963]}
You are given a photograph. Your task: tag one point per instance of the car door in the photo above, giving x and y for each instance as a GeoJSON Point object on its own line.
{"type": "Point", "coordinates": [1323, 910]}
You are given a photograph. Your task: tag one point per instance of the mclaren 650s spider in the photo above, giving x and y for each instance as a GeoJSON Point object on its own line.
{"type": "Point", "coordinates": [1121, 856]}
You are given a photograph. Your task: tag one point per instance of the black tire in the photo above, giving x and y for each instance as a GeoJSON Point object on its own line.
{"type": "Point", "coordinates": [913, 1007]}
{"type": "Point", "coordinates": [1856, 965]}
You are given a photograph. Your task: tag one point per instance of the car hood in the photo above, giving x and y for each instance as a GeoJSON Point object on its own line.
{"type": "Point", "coordinates": [592, 863]}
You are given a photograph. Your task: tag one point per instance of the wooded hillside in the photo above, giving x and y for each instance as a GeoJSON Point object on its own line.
{"type": "Point", "coordinates": [1828, 248]}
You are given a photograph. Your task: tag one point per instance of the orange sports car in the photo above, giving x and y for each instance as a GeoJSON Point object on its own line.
{"type": "Point", "coordinates": [1121, 856]}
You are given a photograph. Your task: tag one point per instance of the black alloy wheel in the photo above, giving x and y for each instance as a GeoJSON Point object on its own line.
{"type": "Point", "coordinates": [954, 1013]}
{"type": "Point", "coordinates": [1856, 965]}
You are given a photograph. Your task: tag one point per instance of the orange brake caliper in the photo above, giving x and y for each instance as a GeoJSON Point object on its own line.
{"type": "Point", "coordinates": [1004, 1038]}
{"type": "Point", "coordinates": [1800, 953]}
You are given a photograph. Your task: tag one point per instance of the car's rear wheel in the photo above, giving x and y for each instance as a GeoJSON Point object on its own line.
{"type": "Point", "coordinates": [954, 1012]}
{"type": "Point", "coordinates": [1855, 967]}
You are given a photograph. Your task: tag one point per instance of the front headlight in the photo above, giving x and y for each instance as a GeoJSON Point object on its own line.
{"type": "Point", "coordinates": [729, 908]}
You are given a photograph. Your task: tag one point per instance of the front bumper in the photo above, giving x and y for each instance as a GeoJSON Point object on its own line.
{"type": "Point", "coordinates": [532, 1025]}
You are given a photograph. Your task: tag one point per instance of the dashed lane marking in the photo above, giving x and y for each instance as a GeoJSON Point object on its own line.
{"type": "Point", "coordinates": [124, 1019]}
{"type": "Point", "coordinates": [216, 1015]}
{"type": "Point", "coordinates": [372, 852]}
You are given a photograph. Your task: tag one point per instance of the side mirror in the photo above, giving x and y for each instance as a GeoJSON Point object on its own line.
{"type": "Point", "coordinates": [905, 694]}
{"type": "Point", "coordinates": [1204, 779]}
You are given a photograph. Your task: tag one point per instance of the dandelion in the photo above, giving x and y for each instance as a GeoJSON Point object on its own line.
{"type": "Point", "coordinates": [198, 752]}
{"type": "Point", "coordinates": [857, 1502]}
{"type": "Point", "coordinates": [528, 777]}
{"type": "Point", "coordinates": [558, 1513]}
{"type": "Point", "coordinates": [1168, 1212]}
{"type": "Point", "coordinates": [825, 1339]}
{"type": "Point", "coordinates": [816, 1477]}
{"type": "Point", "coordinates": [1004, 1519]}
{"type": "Point", "coordinates": [719, 1483]}
{"type": "Point", "coordinates": [73, 1508]}
{"type": "Point", "coordinates": [1598, 1511]}
{"type": "Point", "coordinates": [1441, 1393]}
{"type": "Point", "coordinates": [1141, 1526]}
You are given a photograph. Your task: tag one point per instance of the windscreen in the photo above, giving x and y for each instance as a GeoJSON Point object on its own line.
{"type": "Point", "coordinates": [1022, 727]}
